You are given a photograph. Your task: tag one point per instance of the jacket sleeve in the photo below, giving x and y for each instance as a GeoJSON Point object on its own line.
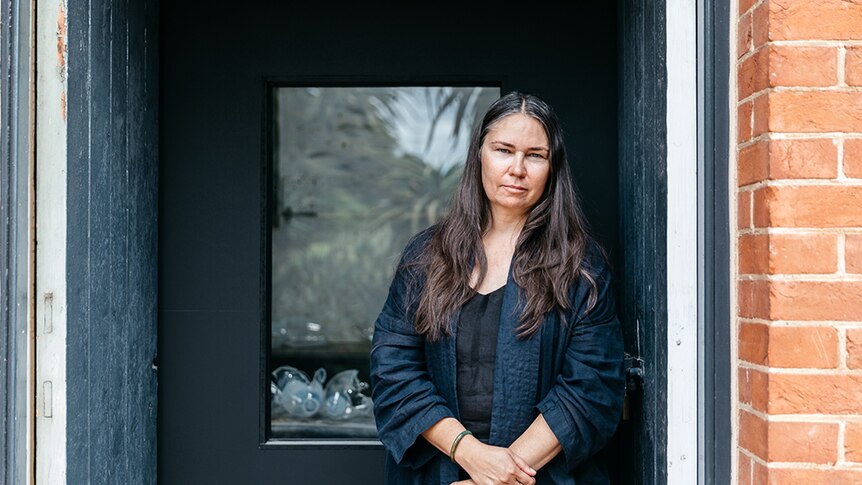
{"type": "Point", "coordinates": [584, 405]}
{"type": "Point", "coordinates": [406, 401]}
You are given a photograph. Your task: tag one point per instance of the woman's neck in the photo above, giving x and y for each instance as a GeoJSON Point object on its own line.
{"type": "Point", "coordinates": [505, 226]}
{"type": "Point", "coordinates": [499, 240]}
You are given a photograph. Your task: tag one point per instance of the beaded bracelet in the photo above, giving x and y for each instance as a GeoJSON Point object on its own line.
{"type": "Point", "coordinates": [457, 440]}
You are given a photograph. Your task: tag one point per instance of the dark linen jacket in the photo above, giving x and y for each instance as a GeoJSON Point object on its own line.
{"type": "Point", "coordinates": [571, 371]}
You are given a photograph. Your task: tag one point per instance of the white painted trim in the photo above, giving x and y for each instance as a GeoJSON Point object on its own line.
{"type": "Point", "coordinates": [50, 243]}
{"type": "Point", "coordinates": [682, 230]}
{"type": "Point", "coordinates": [732, 194]}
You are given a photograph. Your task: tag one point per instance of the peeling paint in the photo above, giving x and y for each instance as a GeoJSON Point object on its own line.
{"type": "Point", "coordinates": [51, 45]}
{"type": "Point", "coordinates": [61, 39]}
{"type": "Point", "coordinates": [62, 54]}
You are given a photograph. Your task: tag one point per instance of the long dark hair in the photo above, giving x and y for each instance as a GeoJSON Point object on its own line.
{"type": "Point", "coordinates": [550, 251]}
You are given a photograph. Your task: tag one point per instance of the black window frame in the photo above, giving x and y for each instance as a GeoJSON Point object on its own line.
{"type": "Point", "coordinates": [268, 209]}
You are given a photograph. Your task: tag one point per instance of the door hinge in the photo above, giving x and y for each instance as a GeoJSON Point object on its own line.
{"type": "Point", "coordinates": [634, 369]}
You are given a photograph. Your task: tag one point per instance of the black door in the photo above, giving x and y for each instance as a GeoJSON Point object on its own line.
{"type": "Point", "coordinates": [218, 63]}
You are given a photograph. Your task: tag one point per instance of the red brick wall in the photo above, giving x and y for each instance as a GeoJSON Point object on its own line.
{"type": "Point", "coordinates": [799, 240]}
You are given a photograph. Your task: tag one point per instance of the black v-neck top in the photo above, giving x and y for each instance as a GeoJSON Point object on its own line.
{"type": "Point", "coordinates": [476, 344]}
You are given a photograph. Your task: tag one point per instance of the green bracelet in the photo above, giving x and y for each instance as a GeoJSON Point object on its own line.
{"type": "Point", "coordinates": [458, 438]}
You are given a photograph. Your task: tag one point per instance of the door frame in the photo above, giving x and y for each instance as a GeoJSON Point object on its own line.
{"type": "Point", "coordinates": [682, 241]}
{"type": "Point", "coordinates": [706, 24]}
{"type": "Point", "coordinates": [715, 377]}
{"type": "Point", "coordinates": [17, 254]}
{"type": "Point", "coordinates": [698, 242]}
{"type": "Point", "coordinates": [674, 158]}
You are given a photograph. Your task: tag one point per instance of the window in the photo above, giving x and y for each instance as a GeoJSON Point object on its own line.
{"type": "Point", "coordinates": [355, 172]}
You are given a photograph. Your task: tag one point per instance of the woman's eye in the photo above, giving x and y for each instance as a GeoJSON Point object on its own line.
{"type": "Point", "coordinates": [537, 155]}
{"type": "Point", "coordinates": [503, 150]}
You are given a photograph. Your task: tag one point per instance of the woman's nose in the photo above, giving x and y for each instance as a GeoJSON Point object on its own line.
{"type": "Point", "coordinates": [516, 168]}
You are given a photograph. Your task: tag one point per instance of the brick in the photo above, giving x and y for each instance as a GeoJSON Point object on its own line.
{"type": "Point", "coordinates": [814, 300]}
{"type": "Point", "coordinates": [754, 389]}
{"type": "Point", "coordinates": [853, 66]}
{"type": "Point", "coordinates": [853, 157]}
{"type": "Point", "coordinates": [745, 5]}
{"type": "Point", "coordinates": [761, 110]}
{"type": "Point", "coordinates": [753, 163]}
{"type": "Point", "coordinates": [803, 66]}
{"type": "Point", "coordinates": [808, 206]}
{"type": "Point", "coordinates": [754, 343]}
{"type": "Point", "coordinates": [803, 442]}
{"type": "Point", "coordinates": [760, 475]}
{"type": "Point", "coordinates": [760, 25]}
{"type": "Point", "coordinates": [808, 476]}
{"type": "Point", "coordinates": [744, 470]}
{"type": "Point", "coordinates": [760, 206]}
{"type": "Point", "coordinates": [787, 347]}
{"type": "Point", "coordinates": [744, 392]}
{"type": "Point", "coordinates": [854, 348]}
{"type": "Point", "coordinates": [753, 74]}
{"type": "Point", "coordinates": [853, 442]}
{"type": "Point", "coordinates": [753, 434]}
{"type": "Point", "coordinates": [803, 347]}
{"type": "Point", "coordinates": [753, 299]}
{"type": "Point", "coordinates": [787, 159]}
{"type": "Point", "coordinates": [853, 253]}
{"type": "Point", "coordinates": [743, 36]}
{"type": "Point", "coordinates": [815, 394]}
{"type": "Point", "coordinates": [802, 253]}
{"type": "Point", "coordinates": [798, 159]}
{"type": "Point", "coordinates": [754, 254]}
{"type": "Point", "coordinates": [743, 122]}
{"type": "Point", "coordinates": [815, 20]}
{"type": "Point", "coordinates": [743, 210]}
{"type": "Point", "coordinates": [814, 111]}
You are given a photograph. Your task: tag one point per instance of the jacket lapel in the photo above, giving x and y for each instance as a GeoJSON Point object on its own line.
{"type": "Point", "coordinates": [441, 359]}
{"type": "Point", "coordinates": [516, 370]}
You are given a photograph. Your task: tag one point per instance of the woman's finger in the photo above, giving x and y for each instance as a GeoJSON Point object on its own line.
{"type": "Point", "coordinates": [524, 479]}
{"type": "Point", "coordinates": [523, 465]}
{"type": "Point", "coordinates": [524, 472]}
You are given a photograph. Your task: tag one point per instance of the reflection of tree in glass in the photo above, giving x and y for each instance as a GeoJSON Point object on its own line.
{"type": "Point", "coordinates": [430, 124]}
{"type": "Point", "coordinates": [358, 171]}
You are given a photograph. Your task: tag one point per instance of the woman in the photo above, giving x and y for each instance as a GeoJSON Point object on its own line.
{"type": "Point", "coordinates": [500, 322]}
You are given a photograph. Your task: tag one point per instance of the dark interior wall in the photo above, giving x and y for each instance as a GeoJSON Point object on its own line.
{"type": "Point", "coordinates": [214, 58]}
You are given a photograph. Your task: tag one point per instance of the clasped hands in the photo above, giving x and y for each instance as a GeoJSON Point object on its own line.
{"type": "Point", "coordinates": [492, 465]}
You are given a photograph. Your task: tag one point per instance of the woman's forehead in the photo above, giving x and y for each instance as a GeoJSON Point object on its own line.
{"type": "Point", "coordinates": [517, 127]}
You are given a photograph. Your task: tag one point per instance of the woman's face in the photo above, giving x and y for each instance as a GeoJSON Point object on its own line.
{"type": "Point", "coordinates": [515, 164]}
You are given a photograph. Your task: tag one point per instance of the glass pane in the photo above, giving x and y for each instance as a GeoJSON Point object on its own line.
{"type": "Point", "coordinates": [356, 172]}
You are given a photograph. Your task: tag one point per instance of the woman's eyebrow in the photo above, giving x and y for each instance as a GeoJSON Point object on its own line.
{"type": "Point", "coordinates": [507, 144]}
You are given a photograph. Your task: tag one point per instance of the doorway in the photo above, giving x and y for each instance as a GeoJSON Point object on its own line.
{"type": "Point", "coordinates": [216, 69]}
